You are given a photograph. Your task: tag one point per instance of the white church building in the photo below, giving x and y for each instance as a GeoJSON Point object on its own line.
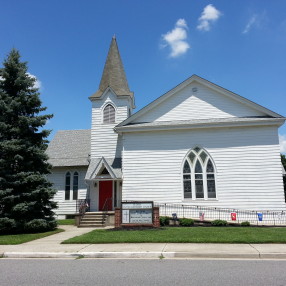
{"type": "Point", "coordinates": [198, 144]}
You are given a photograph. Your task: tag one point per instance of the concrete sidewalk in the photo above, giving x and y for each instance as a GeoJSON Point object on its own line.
{"type": "Point", "coordinates": [51, 247]}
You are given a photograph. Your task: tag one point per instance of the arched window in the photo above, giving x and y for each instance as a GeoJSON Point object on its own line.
{"type": "Point", "coordinates": [210, 179]}
{"type": "Point", "coordinates": [68, 186]}
{"type": "Point", "coordinates": [75, 185]}
{"type": "Point", "coordinates": [199, 175]}
{"type": "Point", "coordinates": [199, 183]}
{"type": "Point", "coordinates": [109, 114]}
{"type": "Point", "coordinates": [187, 180]}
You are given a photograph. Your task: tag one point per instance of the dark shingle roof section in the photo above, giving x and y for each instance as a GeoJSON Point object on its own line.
{"type": "Point", "coordinates": [194, 122]}
{"type": "Point", "coordinates": [69, 148]}
{"type": "Point", "coordinates": [113, 74]}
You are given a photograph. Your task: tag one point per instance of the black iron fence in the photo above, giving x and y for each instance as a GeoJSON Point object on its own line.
{"type": "Point", "coordinates": [202, 213]}
{"type": "Point", "coordinates": [231, 215]}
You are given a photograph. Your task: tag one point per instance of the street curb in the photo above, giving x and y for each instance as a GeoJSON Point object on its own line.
{"type": "Point", "coordinates": [122, 255]}
{"type": "Point", "coordinates": [40, 255]}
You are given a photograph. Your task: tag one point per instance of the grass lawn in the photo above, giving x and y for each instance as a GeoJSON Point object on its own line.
{"type": "Point", "coordinates": [21, 238]}
{"type": "Point", "coordinates": [66, 221]}
{"type": "Point", "coordinates": [185, 234]}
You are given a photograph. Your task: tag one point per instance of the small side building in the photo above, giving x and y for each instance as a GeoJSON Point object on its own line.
{"type": "Point", "coordinates": [69, 154]}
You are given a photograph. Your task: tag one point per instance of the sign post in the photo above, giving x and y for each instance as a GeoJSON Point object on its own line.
{"type": "Point", "coordinates": [136, 214]}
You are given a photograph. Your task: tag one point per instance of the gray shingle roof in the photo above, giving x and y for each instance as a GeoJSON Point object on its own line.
{"type": "Point", "coordinates": [113, 74]}
{"type": "Point", "coordinates": [69, 148]}
{"type": "Point", "coordinates": [194, 122]}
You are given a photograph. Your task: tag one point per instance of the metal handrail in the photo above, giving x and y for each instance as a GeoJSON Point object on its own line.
{"type": "Point", "coordinates": [105, 209]}
{"type": "Point", "coordinates": [82, 206]}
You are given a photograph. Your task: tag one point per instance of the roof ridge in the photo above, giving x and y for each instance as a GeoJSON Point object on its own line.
{"type": "Point", "coordinates": [61, 130]}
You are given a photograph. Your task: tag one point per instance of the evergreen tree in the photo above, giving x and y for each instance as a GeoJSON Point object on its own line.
{"type": "Point", "coordinates": [283, 160]}
{"type": "Point", "coordinates": [25, 192]}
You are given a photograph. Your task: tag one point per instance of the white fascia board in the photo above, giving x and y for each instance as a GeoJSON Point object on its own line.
{"type": "Point", "coordinates": [109, 169]}
{"type": "Point", "coordinates": [267, 122]}
{"type": "Point", "coordinates": [155, 102]}
{"type": "Point", "coordinates": [236, 97]}
{"type": "Point", "coordinates": [204, 82]}
{"type": "Point", "coordinates": [112, 91]}
{"type": "Point", "coordinates": [98, 167]}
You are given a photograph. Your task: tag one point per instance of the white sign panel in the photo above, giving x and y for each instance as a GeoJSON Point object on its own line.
{"type": "Point", "coordinates": [141, 216]}
{"type": "Point", "coordinates": [125, 216]}
{"type": "Point", "coordinates": [130, 206]}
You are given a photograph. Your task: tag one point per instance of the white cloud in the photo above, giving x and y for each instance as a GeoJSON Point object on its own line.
{"type": "Point", "coordinates": [1, 78]}
{"type": "Point", "coordinates": [177, 39]}
{"type": "Point", "coordinates": [282, 141]}
{"type": "Point", "coordinates": [182, 23]}
{"type": "Point", "coordinates": [255, 21]}
{"type": "Point", "coordinates": [209, 15]}
{"type": "Point", "coordinates": [251, 22]}
{"type": "Point", "coordinates": [37, 83]}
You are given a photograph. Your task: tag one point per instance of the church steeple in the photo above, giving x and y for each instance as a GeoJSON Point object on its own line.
{"type": "Point", "coordinates": [113, 74]}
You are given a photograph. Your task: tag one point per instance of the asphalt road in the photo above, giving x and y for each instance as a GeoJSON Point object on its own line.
{"type": "Point", "coordinates": [42, 272]}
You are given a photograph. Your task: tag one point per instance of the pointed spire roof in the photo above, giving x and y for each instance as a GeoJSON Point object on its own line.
{"type": "Point", "coordinates": [113, 75]}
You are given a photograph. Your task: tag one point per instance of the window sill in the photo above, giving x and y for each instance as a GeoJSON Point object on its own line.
{"type": "Point", "coordinates": [199, 200]}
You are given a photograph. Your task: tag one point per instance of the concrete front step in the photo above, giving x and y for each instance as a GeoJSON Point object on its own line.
{"type": "Point", "coordinates": [91, 225]}
{"type": "Point", "coordinates": [91, 219]}
{"type": "Point", "coordinates": [99, 213]}
{"type": "Point", "coordinates": [94, 219]}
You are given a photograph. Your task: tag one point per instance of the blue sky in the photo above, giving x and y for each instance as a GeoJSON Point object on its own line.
{"type": "Point", "coordinates": [239, 45]}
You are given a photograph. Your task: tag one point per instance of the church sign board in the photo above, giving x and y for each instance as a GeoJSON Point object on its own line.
{"type": "Point", "coordinates": [137, 213]}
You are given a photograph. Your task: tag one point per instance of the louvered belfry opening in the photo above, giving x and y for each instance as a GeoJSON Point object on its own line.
{"type": "Point", "coordinates": [109, 114]}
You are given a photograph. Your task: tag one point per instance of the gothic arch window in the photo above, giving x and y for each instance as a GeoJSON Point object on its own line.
{"type": "Point", "coordinates": [199, 175]}
{"type": "Point", "coordinates": [67, 186]}
{"type": "Point", "coordinates": [75, 186]}
{"type": "Point", "coordinates": [108, 114]}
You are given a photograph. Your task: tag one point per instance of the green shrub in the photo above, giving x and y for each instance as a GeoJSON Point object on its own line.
{"type": "Point", "coordinates": [245, 223]}
{"type": "Point", "coordinates": [40, 225]}
{"type": "Point", "coordinates": [164, 220]}
{"type": "Point", "coordinates": [219, 222]}
{"type": "Point", "coordinates": [186, 221]}
{"type": "Point", "coordinates": [7, 224]}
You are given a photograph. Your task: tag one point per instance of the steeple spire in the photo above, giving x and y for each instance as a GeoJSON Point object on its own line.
{"type": "Point", "coordinates": [113, 73]}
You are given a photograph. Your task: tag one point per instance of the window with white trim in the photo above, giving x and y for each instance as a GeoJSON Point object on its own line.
{"type": "Point", "coordinates": [199, 175]}
{"type": "Point", "coordinates": [71, 186]}
{"type": "Point", "coordinates": [75, 186]}
{"type": "Point", "coordinates": [68, 186]}
{"type": "Point", "coordinates": [109, 114]}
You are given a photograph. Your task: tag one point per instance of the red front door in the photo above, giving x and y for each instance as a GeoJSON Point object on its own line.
{"type": "Point", "coordinates": [105, 196]}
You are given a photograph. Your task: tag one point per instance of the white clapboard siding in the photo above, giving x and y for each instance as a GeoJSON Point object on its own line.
{"type": "Point", "coordinates": [58, 179]}
{"type": "Point", "coordinates": [247, 161]}
{"type": "Point", "coordinates": [104, 141]}
{"type": "Point", "coordinates": [202, 104]}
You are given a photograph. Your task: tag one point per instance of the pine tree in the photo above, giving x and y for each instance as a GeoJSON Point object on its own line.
{"type": "Point", "coordinates": [25, 192]}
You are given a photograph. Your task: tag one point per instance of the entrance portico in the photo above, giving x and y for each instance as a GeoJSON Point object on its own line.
{"type": "Point", "coordinates": [104, 183]}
